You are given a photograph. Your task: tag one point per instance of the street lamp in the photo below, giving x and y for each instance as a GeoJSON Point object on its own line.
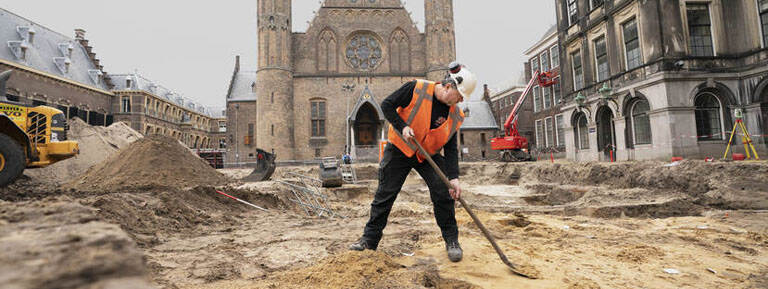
{"type": "Point", "coordinates": [348, 87]}
{"type": "Point", "coordinates": [580, 99]}
{"type": "Point", "coordinates": [605, 91]}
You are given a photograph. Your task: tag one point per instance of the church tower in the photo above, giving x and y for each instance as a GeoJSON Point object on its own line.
{"type": "Point", "coordinates": [441, 38]}
{"type": "Point", "coordinates": [274, 80]}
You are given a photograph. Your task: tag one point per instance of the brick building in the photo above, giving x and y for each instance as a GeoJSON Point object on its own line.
{"type": "Point", "coordinates": [56, 70]}
{"type": "Point", "coordinates": [476, 132]}
{"type": "Point", "coordinates": [316, 93]}
{"type": "Point", "coordinates": [501, 104]}
{"type": "Point", "coordinates": [549, 123]}
{"type": "Point", "coordinates": [151, 108]}
{"type": "Point", "coordinates": [53, 69]}
{"type": "Point", "coordinates": [656, 79]}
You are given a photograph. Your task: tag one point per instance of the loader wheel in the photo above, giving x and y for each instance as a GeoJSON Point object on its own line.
{"type": "Point", "coordinates": [12, 160]}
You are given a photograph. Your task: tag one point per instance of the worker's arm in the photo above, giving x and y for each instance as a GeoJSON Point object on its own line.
{"type": "Point", "coordinates": [451, 151]}
{"type": "Point", "coordinates": [400, 98]}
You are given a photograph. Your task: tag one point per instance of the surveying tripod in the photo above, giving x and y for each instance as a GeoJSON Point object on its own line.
{"type": "Point", "coordinates": [746, 139]}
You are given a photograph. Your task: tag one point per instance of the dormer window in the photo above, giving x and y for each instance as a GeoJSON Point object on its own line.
{"type": "Point", "coordinates": [152, 87]}
{"type": "Point", "coordinates": [66, 49]}
{"type": "Point", "coordinates": [27, 33]}
{"type": "Point", "coordinates": [19, 49]}
{"type": "Point", "coordinates": [62, 63]}
{"type": "Point", "coordinates": [128, 83]}
{"type": "Point", "coordinates": [95, 75]}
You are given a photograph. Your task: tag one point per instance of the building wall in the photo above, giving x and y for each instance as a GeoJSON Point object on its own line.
{"type": "Point", "coordinates": [475, 145]}
{"type": "Point", "coordinates": [502, 104]}
{"type": "Point", "coordinates": [670, 77]}
{"type": "Point", "coordinates": [296, 68]}
{"type": "Point", "coordinates": [32, 87]}
{"type": "Point", "coordinates": [239, 118]}
{"type": "Point", "coordinates": [151, 114]}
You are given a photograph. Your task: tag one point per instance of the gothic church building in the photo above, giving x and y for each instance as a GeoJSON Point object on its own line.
{"type": "Point", "coordinates": [316, 93]}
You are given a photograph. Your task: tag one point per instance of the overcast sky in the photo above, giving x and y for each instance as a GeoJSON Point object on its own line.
{"type": "Point", "coordinates": [190, 46]}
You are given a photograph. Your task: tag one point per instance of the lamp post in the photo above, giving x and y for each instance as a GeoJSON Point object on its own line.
{"type": "Point", "coordinates": [348, 87]}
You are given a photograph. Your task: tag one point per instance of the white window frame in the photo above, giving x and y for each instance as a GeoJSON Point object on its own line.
{"type": "Point", "coordinates": [711, 26]}
{"type": "Point", "coordinates": [546, 135]}
{"type": "Point", "coordinates": [632, 117]}
{"type": "Point", "coordinates": [624, 42]}
{"type": "Point", "coordinates": [578, 132]}
{"type": "Point", "coordinates": [594, 53]}
{"type": "Point", "coordinates": [573, 69]}
{"type": "Point", "coordinates": [549, 61]}
{"type": "Point", "coordinates": [568, 10]}
{"type": "Point", "coordinates": [538, 140]}
{"type": "Point", "coordinates": [558, 130]}
{"type": "Point", "coordinates": [722, 114]}
{"type": "Point", "coordinates": [536, 107]}
{"type": "Point", "coordinates": [123, 107]}
{"type": "Point", "coordinates": [551, 56]}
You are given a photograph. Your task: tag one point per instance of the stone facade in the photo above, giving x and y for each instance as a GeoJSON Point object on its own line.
{"type": "Point", "coordinates": [317, 93]}
{"type": "Point", "coordinates": [476, 132]}
{"type": "Point", "coordinates": [673, 72]}
{"type": "Point", "coordinates": [68, 76]}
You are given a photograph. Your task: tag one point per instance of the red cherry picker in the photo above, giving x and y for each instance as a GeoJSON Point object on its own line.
{"type": "Point", "coordinates": [513, 145]}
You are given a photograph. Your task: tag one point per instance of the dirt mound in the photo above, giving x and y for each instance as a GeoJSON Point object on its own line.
{"type": "Point", "coordinates": [155, 162]}
{"type": "Point", "coordinates": [57, 243]}
{"type": "Point", "coordinates": [367, 269]}
{"type": "Point", "coordinates": [145, 215]}
{"type": "Point", "coordinates": [27, 188]}
{"type": "Point", "coordinates": [96, 143]}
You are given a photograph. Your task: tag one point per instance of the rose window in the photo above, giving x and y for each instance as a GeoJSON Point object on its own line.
{"type": "Point", "coordinates": [363, 52]}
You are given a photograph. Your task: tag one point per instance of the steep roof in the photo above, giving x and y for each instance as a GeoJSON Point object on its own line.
{"type": "Point", "coordinates": [480, 115]}
{"type": "Point", "coordinates": [134, 81]}
{"type": "Point", "coordinates": [48, 51]}
{"type": "Point", "coordinates": [241, 87]}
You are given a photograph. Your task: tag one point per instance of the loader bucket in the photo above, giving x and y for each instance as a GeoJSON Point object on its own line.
{"type": "Point", "coordinates": [265, 167]}
{"type": "Point", "coordinates": [330, 173]}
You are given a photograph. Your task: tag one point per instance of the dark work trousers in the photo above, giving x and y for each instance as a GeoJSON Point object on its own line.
{"type": "Point", "coordinates": [393, 170]}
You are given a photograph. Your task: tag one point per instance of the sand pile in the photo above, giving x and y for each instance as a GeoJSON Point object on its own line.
{"type": "Point", "coordinates": [367, 269]}
{"type": "Point", "coordinates": [155, 162]}
{"type": "Point", "coordinates": [97, 143]}
{"type": "Point", "coordinates": [58, 243]}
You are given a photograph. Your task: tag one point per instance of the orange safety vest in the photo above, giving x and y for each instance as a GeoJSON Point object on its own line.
{"type": "Point", "coordinates": [418, 115]}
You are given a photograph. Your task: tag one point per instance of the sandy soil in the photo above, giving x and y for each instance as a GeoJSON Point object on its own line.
{"type": "Point", "coordinates": [579, 225]}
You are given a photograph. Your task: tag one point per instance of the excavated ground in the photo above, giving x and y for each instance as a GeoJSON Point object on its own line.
{"type": "Point", "coordinates": [579, 225]}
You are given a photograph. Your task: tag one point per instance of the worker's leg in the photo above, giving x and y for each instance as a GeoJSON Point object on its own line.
{"type": "Point", "coordinates": [442, 203]}
{"type": "Point", "coordinates": [393, 170]}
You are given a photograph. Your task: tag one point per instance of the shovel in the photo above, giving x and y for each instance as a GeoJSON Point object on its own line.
{"type": "Point", "coordinates": [479, 224]}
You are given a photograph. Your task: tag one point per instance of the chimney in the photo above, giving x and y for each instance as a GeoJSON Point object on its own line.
{"type": "Point", "coordinates": [237, 63]}
{"type": "Point", "coordinates": [486, 94]}
{"type": "Point", "coordinates": [79, 34]}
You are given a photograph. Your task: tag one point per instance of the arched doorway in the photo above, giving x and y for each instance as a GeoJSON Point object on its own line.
{"type": "Point", "coordinates": [366, 126]}
{"type": "Point", "coordinates": [606, 132]}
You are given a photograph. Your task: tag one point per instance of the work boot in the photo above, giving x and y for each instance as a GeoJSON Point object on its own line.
{"type": "Point", "coordinates": [363, 244]}
{"type": "Point", "coordinates": [454, 250]}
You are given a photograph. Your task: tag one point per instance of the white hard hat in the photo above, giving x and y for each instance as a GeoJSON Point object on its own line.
{"type": "Point", "coordinates": [465, 80]}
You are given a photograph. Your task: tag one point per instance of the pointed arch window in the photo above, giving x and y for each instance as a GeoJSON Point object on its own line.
{"type": "Point", "coordinates": [399, 55]}
{"type": "Point", "coordinates": [327, 51]}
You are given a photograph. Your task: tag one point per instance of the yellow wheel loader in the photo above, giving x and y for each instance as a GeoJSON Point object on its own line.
{"type": "Point", "coordinates": [30, 137]}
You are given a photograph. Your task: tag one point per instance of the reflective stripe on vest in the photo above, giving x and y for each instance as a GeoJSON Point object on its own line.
{"type": "Point", "coordinates": [418, 115]}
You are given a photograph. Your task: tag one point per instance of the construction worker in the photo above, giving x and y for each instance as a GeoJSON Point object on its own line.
{"type": "Point", "coordinates": [426, 112]}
